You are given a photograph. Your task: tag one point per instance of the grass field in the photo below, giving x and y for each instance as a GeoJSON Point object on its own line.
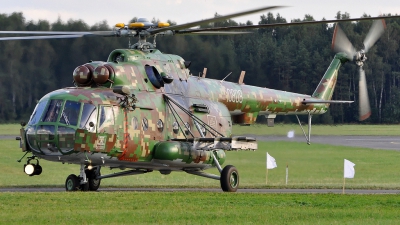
{"type": "Point", "coordinates": [197, 208]}
{"type": "Point", "coordinates": [314, 166]}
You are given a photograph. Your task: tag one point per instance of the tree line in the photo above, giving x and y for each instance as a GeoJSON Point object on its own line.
{"type": "Point", "coordinates": [290, 58]}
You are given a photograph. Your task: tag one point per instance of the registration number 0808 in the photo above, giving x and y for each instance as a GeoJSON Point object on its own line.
{"type": "Point", "coordinates": [234, 95]}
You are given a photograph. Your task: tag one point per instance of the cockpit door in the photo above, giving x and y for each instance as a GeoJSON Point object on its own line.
{"type": "Point", "coordinates": [105, 120]}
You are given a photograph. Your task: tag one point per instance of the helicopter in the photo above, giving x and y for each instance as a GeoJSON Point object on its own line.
{"type": "Point", "coordinates": [142, 111]}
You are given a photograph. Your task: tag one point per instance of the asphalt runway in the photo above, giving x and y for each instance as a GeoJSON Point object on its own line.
{"type": "Point", "coordinates": [372, 142]}
{"type": "Point", "coordinates": [7, 137]}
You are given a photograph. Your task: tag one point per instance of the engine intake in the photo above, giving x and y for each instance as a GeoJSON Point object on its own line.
{"type": "Point", "coordinates": [98, 73]}
{"type": "Point", "coordinates": [102, 74]}
{"type": "Point", "coordinates": [83, 75]}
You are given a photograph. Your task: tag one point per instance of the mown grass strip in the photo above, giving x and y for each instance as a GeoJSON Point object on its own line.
{"type": "Point", "coordinates": [9, 129]}
{"type": "Point", "coordinates": [197, 208]}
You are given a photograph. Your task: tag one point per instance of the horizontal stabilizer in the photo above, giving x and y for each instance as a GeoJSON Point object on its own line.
{"type": "Point", "coordinates": [317, 101]}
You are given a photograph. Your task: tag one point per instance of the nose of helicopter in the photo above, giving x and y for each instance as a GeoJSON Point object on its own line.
{"type": "Point", "coordinates": [50, 139]}
{"type": "Point", "coordinates": [51, 129]}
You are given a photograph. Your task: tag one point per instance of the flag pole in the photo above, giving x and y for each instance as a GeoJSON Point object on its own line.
{"type": "Point", "coordinates": [287, 172]}
{"type": "Point", "coordinates": [266, 176]}
{"type": "Point", "coordinates": [344, 182]}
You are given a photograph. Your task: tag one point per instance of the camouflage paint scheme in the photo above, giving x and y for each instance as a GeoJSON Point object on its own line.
{"type": "Point", "coordinates": [137, 138]}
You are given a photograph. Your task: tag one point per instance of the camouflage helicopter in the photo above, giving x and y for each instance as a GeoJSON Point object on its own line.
{"type": "Point", "coordinates": [142, 110]}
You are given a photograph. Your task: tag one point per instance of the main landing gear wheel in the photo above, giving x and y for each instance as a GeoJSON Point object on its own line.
{"type": "Point", "coordinates": [229, 179]}
{"type": "Point", "coordinates": [84, 187]}
{"type": "Point", "coordinates": [93, 183]}
{"type": "Point", "coordinates": [72, 183]}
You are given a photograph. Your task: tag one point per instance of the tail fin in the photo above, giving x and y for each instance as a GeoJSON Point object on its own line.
{"type": "Point", "coordinates": [327, 84]}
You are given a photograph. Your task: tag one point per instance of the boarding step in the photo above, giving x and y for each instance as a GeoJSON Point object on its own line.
{"type": "Point", "coordinates": [225, 143]}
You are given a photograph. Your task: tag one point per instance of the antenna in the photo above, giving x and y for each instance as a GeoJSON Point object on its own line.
{"type": "Point", "coordinates": [204, 72]}
{"type": "Point", "coordinates": [226, 77]}
{"type": "Point", "coordinates": [154, 41]}
{"type": "Point", "coordinates": [241, 77]}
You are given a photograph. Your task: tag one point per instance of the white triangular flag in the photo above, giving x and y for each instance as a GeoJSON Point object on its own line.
{"type": "Point", "coordinates": [271, 163]}
{"type": "Point", "coordinates": [349, 169]}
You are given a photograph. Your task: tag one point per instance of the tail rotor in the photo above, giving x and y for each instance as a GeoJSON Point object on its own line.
{"type": "Point", "coordinates": [340, 43]}
{"type": "Point", "coordinates": [364, 109]}
{"type": "Point", "coordinates": [377, 29]}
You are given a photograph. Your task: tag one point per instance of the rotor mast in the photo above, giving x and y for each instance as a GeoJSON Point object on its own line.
{"type": "Point", "coordinates": [141, 28]}
{"type": "Point", "coordinates": [142, 43]}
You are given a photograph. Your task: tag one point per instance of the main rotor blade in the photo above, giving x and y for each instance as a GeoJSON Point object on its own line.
{"type": "Point", "coordinates": [364, 107]}
{"type": "Point", "coordinates": [340, 43]}
{"type": "Point", "coordinates": [283, 24]}
{"type": "Point", "coordinates": [215, 19]}
{"type": "Point", "coordinates": [104, 32]}
{"type": "Point", "coordinates": [40, 37]}
{"type": "Point", "coordinates": [43, 32]}
{"type": "Point", "coordinates": [54, 34]}
{"type": "Point", "coordinates": [214, 33]}
{"type": "Point", "coordinates": [377, 29]}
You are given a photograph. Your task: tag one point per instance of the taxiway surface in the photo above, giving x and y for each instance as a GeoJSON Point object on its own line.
{"type": "Point", "coordinates": [374, 142]}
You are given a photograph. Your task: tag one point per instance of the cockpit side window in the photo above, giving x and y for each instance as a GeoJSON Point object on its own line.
{"type": "Point", "coordinates": [88, 115]}
{"type": "Point", "coordinates": [106, 118]}
{"type": "Point", "coordinates": [118, 57]}
{"type": "Point", "coordinates": [37, 113]}
{"type": "Point", "coordinates": [53, 110]}
{"type": "Point", "coordinates": [70, 113]}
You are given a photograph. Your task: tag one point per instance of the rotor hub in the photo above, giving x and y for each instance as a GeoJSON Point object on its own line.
{"type": "Point", "coordinates": [360, 58]}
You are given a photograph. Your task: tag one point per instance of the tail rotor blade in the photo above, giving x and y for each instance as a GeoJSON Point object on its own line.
{"type": "Point", "coordinates": [364, 107]}
{"type": "Point", "coordinates": [377, 29]}
{"type": "Point", "coordinates": [340, 43]}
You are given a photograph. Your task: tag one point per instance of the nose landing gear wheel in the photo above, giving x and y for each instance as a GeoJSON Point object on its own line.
{"type": "Point", "coordinates": [94, 184]}
{"type": "Point", "coordinates": [229, 179]}
{"type": "Point", "coordinates": [84, 187]}
{"type": "Point", "coordinates": [72, 183]}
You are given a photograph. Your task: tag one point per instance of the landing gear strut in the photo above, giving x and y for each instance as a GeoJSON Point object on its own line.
{"type": "Point", "coordinates": [308, 137]}
{"type": "Point", "coordinates": [88, 180]}
{"type": "Point", "coordinates": [229, 177]}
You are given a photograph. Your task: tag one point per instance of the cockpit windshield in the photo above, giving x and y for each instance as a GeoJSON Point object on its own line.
{"type": "Point", "coordinates": [70, 113]}
{"type": "Point", "coordinates": [53, 110]}
{"type": "Point", "coordinates": [37, 113]}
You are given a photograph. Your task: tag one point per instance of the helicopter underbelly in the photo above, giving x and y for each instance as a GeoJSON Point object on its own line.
{"type": "Point", "coordinates": [101, 159]}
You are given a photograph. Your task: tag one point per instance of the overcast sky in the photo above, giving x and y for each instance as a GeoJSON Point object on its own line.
{"type": "Point", "coordinates": [183, 11]}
